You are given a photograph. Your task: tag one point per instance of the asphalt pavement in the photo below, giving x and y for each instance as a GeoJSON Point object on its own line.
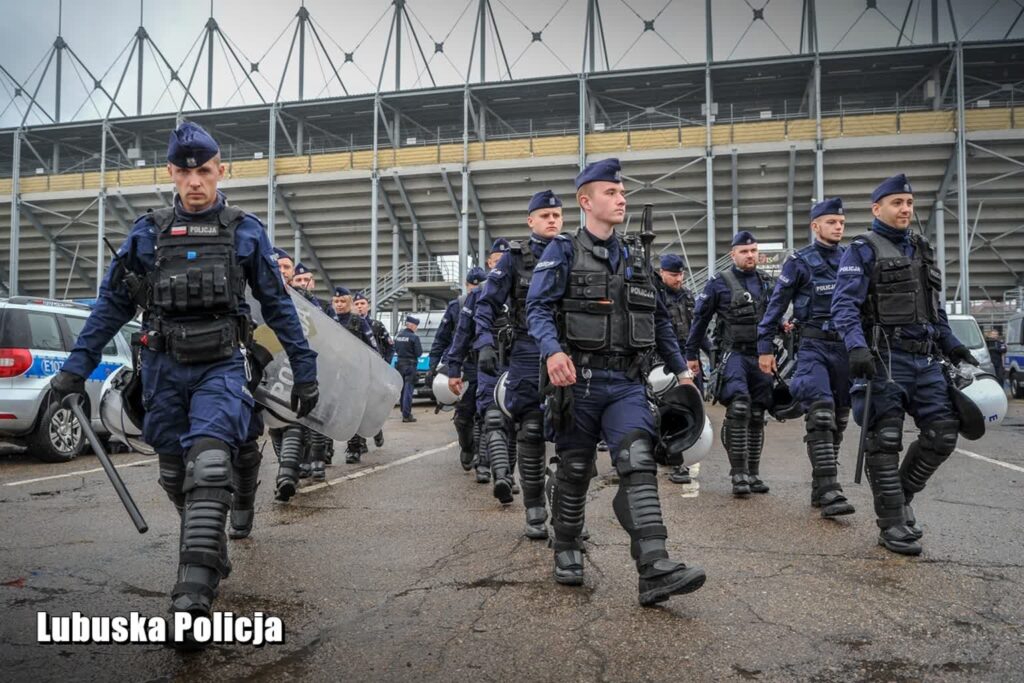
{"type": "Point", "coordinates": [404, 568]}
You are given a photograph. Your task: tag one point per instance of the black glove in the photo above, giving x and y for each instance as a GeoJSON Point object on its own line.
{"type": "Point", "coordinates": [304, 398]}
{"type": "Point", "coordinates": [862, 363]}
{"type": "Point", "coordinates": [487, 360]}
{"type": "Point", "coordinates": [558, 409]}
{"type": "Point", "coordinates": [961, 354]}
{"type": "Point", "coordinates": [67, 383]}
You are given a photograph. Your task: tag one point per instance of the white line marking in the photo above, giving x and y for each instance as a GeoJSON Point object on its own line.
{"type": "Point", "coordinates": [377, 468]}
{"type": "Point", "coordinates": [692, 490]}
{"type": "Point", "coordinates": [75, 473]}
{"type": "Point", "coordinates": [1015, 468]}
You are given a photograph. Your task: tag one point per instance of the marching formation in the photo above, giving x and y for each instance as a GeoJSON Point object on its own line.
{"type": "Point", "coordinates": [569, 337]}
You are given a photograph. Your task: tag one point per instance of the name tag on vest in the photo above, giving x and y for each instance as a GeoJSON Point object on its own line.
{"type": "Point", "coordinates": [825, 288]}
{"type": "Point", "coordinates": [203, 230]}
{"type": "Point", "coordinates": [641, 293]}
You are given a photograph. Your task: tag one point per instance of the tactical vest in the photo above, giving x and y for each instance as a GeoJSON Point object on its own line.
{"type": "Point", "coordinates": [522, 264]}
{"type": "Point", "coordinates": [380, 334]}
{"type": "Point", "coordinates": [681, 312]}
{"type": "Point", "coordinates": [607, 316]}
{"type": "Point", "coordinates": [902, 290]}
{"type": "Point", "coordinates": [197, 288]}
{"type": "Point", "coordinates": [814, 307]}
{"type": "Point", "coordinates": [737, 324]}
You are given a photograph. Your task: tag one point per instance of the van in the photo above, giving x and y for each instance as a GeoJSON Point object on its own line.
{"type": "Point", "coordinates": [966, 329]}
{"type": "Point", "coordinates": [1014, 361]}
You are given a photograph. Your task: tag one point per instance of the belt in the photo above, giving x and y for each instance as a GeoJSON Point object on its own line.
{"type": "Point", "coordinates": [604, 362]}
{"type": "Point", "coordinates": [815, 333]}
{"type": "Point", "coordinates": [922, 347]}
{"type": "Point", "coordinates": [746, 349]}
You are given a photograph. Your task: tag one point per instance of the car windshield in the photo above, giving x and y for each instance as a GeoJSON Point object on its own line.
{"type": "Point", "coordinates": [968, 332]}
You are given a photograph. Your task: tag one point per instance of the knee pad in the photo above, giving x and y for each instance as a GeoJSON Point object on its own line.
{"type": "Point", "coordinates": [636, 454]}
{"type": "Point", "coordinates": [249, 455]}
{"type": "Point", "coordinates": [208, 465]}
{"type": "Point", "coordinates": [494, 420]}
{"type": "Point", "coordinates": [820, 417]}
{"type": "Point", "coordinates": [739, 408]}
{"type": "Point", "coordinates": [172, 476]}
{"type": "Point", "coordinates": [939, 437]}
{"type": "Point", "coordinates": [887, 436]}
{"type": "Point", "coordinates": [757, 415]}
{"type": "Point", "coordinates": [574, 467]}
{"type": "Point", "coordinates": [842, 419]}
{"type": "Point", "coordinates": [532, 427]}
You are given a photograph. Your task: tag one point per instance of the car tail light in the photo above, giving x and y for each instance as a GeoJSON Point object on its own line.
{"type": "Point", "coordinates": [14, 362]}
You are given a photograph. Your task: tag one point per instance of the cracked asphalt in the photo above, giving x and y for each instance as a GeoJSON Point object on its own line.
{"type": "Point", "coordinates": [414, 572]}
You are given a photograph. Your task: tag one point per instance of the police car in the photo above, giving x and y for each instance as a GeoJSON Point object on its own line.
{"type": "Point", "coordinates": [36, 336]}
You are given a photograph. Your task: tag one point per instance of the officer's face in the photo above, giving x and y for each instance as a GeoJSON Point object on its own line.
{"type": "Point", "coordinates": [744, 256]}
{"type": "Point", "coordinates": [604, 201]}
{"type": "Point", "coordinates": [492, 259]}
{"type": "Point", "coordinates": [545, 223]}
{"type": "Point", "coordinates": [672, 280]}
{"type": "Point", "coordinates": [362, 307]}
{"type": "Point", "coordinates": [287, 269]}
{"type": "Point", "coordinates": [303, 281]}
{"type": "Point", "coordinates": [342, 304]}
{"type": "Point", "coordinates": [896, 210]}
{"type": "Point", "coordinates": [197, 187]}
{"type": "Point", "coordinates": [829, 228]}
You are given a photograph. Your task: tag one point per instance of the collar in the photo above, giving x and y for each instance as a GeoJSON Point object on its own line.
{"type": "Point", "coordinates": [742, 273]}
{"type": "Point", "coordinates": [825, 249]}
{"type": "Point", "coordinates": [209, 214]}
{"type": "Point", "coordinates": [890, 233]}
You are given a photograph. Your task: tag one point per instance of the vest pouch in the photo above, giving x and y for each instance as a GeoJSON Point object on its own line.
{"type": "Point", "coordinates": [898, 308]}
{"type": "Point", "coordinates": [586, 331]}
{"type": "Point", "coordinates": [588, 286]}
{"type": "Point", "coordinates": [639, 297]}
{"type": "Point", "coordinates": [201, 341]}
{"type": "Point", "coordinates": [894, 270]}
{"type": "Point", "coordinates": [641, 329]}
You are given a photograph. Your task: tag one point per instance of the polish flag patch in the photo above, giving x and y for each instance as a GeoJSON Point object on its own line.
{"type": "Point", "coordinates": [179, 230]}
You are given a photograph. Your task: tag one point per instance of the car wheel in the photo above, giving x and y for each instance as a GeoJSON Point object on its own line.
{"type": "Point", "coordinates": [58, 437]}
{"type": "Point", "coordinates": [1016, 385]}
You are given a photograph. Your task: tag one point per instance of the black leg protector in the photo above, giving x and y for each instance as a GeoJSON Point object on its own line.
{"type": "Point", "coordinates": [513, 447]}
{"type": "Point", "coordinates": [935, 444]}
{"type": "Point", "coordinates": [842, 420]}
{"type": "Point", "coordinates": [568, 508]}
{"type": "Point", "coordinates": [495, 444]}
{"type": "Point", "coordinates": [882, 463]}
{"type": "Point", "coordinates": [203, 551]}
{"type": "Point", "coordinates": [735, 430]}
{"type": "Point", "coordinates": [483, 468]}
{"type": "Point", "coordinates": [755, 444]}
{"type": "Point", "coordinates": [245, 480]}
{"type": "Point", "coordinates": [318, 454]}
{"type": "Point", "coordinates": [531, 447]}
{"type": "Point", "coordinates": [290, 455]}
{"type": "Point", "coordinates": [172, 477]}
{"type": "Point", "coordinates": [275, 440]}
{"type": "Point", "coordinates": [826, 491]}
{"type": "Point", "coordinates": [464, 432]}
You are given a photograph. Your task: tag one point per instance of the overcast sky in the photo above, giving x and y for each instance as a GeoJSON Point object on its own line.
{"type": "Point", "coordinates": [98, 30]}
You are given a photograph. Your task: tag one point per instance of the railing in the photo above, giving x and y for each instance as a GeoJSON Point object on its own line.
{"type": "Point", "coordinates": [396, 283]}
{"type": "Point", "coordinates": [699, 278]}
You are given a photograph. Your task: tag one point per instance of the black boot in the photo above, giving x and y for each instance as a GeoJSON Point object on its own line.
{"type": "Point", "coordinates": [464, 432]}
{"type": "Point", "coordinates": [638, 510]}
{"type": "Point", "coordinates": [318, 455]}
{"type": "Point", "coordinates": [203, 555]}
{"type": "Point", "coordinates": [932, 448]}
{"type": "Point", "coordinates": [755, 444]}
{"type": "Point", "coordinates": [288, 466]}
{"type": "Point", "coordinates": [680, 475]}
{"type": "Point", "coordinates": [378, 439]}
{"type": "Point", "coordinates": [496, 447]}
{"type": "Point", "coordinates": [882, 462]}
{"type": "Point", "coordinates": [826, 492]}
{"type": "Point", "coordinates": [735, 436]}
{"type": "Point", "coordinates": [352, 450]}
{"type": "Point", "coordinates": [530, 446]}
{"type": "Point", "coordinates": [246, 479]}
{"type": "Point", "coordinates": [568, 506]}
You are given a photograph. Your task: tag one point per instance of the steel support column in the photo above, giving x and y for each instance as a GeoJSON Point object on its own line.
{"type": "Point", "coordinates": [12, 282]}
{"type": "Point", "coordinates": [708, 150]}
{"type": "Point", "coordinates": [374, 211]}
{"type": "Point", "coordinates": [790, 190]}
{"type": "Point", "coordinates": [819, 142]}
{"type": "Point", "coordinates": [464, 225]}
{"type": "Point", "coordinates": [272, 162]}
{"type": "Point", "coordinates": [582, 130]}
{"type": "Point", "coordinates": [940, 242]}
{"type": "Point", "coordinates": [101, 208]}
{"type": "Point", "coordinates": [961, 181]}
{"type": "Point", "coordinates": [735, 193]}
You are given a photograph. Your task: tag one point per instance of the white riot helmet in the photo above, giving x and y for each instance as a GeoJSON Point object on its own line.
{"type": "Point", "coordinates": [979, 400]}
{"type": "Point", "coordinates": [444, 396]}
{"type": "Point", "coordinates": [682, 425]}
{"type": "Point", "coordinates": [121, 409]}
{"type": "Point", "coordinates": [698, 451]}
{"type": "Point", "coordinates": [661, 380]}
{"type": "Point", "coordinates": [500, 392]}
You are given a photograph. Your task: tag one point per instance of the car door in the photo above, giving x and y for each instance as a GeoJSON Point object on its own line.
{"type": "Point", "coordinates": [111, 359]}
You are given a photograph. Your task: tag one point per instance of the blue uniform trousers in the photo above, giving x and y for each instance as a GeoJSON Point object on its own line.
{"type": "Point", "coordinates": [484, 395]}
{"type": "Point", "coordinates": [822, 373]}
{"type": "Point", "coordinates": [742, 375]}
{"type": "Point", "coordinates": [522, 389]}
{"type": "Point", "coordinates": [407, 369]}
{"type": "Point", "coordinates": [607, 407]}
{"type": "Point", "coordinates": [918, 387]}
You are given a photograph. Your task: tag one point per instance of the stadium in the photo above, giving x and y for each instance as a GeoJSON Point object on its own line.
{"type": "Point", "coordinates": [756, 139]}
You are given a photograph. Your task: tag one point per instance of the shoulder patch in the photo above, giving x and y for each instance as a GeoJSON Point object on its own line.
{"type": "Point", "coordinates": [545, 265]}
{"type": "Point", "coordinates": [851, 269]}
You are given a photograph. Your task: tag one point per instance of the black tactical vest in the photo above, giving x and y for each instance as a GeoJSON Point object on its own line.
{"type": "Point", "coordinates": [522, 264]}
{"type": "Point", "coordinates": [902, 290]}
{"type": "Point", "coordinates": [197, 287]}
{"type": "Point", "coordinates": [380, 334]}
{"type": "Point", "coordinates": [681, 312]}
{"type": "Point", "coordinates": [603, 313]}
{"type": "Point", "coordinates": [813, 304]}
{"type": "Point", "coordinates": [737, 326]}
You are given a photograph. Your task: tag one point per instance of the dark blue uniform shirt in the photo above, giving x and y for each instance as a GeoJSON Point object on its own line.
{"type": "Point", "coordinates": [496, 290]}
{"type": "Point", "coordinates": [408, 346]}
{"type": "Point", "coordinates": [465, 332]}
{"type": "Point", "coordinates": [717, 297]}
{"type": "Point", "coordinates": [445, 332]}
{"type": "Point", "coordinates": [345, 320]}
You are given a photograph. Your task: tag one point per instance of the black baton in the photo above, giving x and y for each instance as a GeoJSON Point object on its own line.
{"type": "Point", "coordinates": [73, 402]}
{"type": "Point", "coordinates": [865, 420]}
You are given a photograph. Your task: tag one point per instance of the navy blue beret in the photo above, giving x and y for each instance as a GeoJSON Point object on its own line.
{"type": "Point", "coordinates": [412, 319]}
{"type": "Point", "coordinates": [828, 207]}
{"type": "Point", "coordinates": [280, 253]}
{"type": "Point", "coordinates": [475, 275]}
{"type": "Point", "coordinates": [501, 244]}
{"type": "Point", "coordinates": [898, 184]}
{"type": "Point", "coordinates": [359, 297]}
{"type": "Point", "coordinates": [301, 269]}
{"type": "Point", "coordinates": [740, 239]}
{"type": "Point", "coordinates": [341, 291]}
{"type": "Point", "coordinates": [544, 199]}
{"type": "Point", "coordinates": [606, 169]}
{"type": "Point", "coordinates": [190, 146]}
{"type": "Point", "coordinates": [671, 263]}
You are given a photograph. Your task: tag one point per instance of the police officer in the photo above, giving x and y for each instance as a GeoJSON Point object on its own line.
{"type": "Point", "coordinates": [408, 349]}
{"type": "Point", "coordinates": [188, 266]}
{"type": "Point", "coordinates": [997, 352]}
{"type": "Point", "coordinates": [593, 308]}
{"type": "Point", "coordinates": [341, 310]}
{"type": "Point", "coordinates": [738, 297]}
{"type": "Point", "coordinates": [464, 410]}
{"type": "Point", "coordinates": [507, 285]}
{"type": "Point", "coordinates": [463, 375]}
{"type": "Point", "coordinates": [304, 282]}
{"type": "Point", "coordinates": [680, 303]}
{"type": "Point", "coordinates": [888, 309]}
{"type": "Point", "coordinates": [381, 336]}
{"type": "Point", "coordinates": [822, 381]}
